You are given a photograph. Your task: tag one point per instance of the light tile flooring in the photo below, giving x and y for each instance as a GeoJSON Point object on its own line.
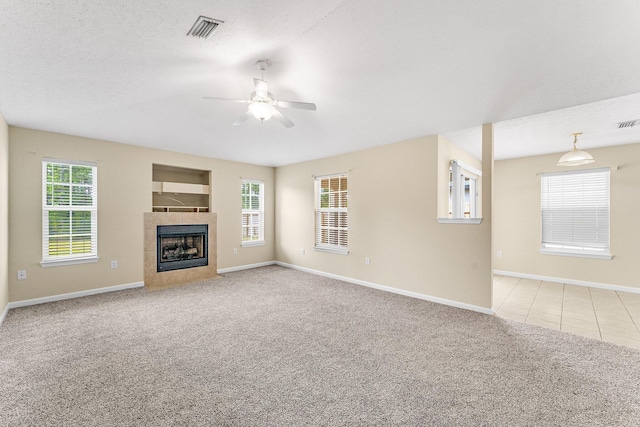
{"type": "Point", "coordinates": [606, 315]}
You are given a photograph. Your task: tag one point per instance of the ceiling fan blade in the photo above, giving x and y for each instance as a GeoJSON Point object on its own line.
{"type": "Point", "coordinates": [243, 118]}
{"type": "Point", "coordinates": [281, 118]}
{"type": "Point", "coordinates": [215, 98]}
{"type": "Point", "coordinates": [261, 88]}
{"type": "Point", "coordinates": [299, 105]}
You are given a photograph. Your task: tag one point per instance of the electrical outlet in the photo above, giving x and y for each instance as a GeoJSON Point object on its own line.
{"type": "Point", "coordinates": [114, 264]}
{"type": "Point", "coordinates": [499, 254]}
{"type": "Point", "coordinates": [367, 261]}
{"type": "Point", "coordinates": [22, 274]}
{"type": "Point", "coordinates": [301, 251]}
{"type": "Point", "coordinates": [235, 251]}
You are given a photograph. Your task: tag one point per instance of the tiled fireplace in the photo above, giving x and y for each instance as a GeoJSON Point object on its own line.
{"type": "Point", "coordinates": [180, 248]}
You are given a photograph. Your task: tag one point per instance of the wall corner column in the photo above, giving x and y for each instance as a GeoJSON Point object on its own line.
{"type": "Point", "coordinates": [487, 191]}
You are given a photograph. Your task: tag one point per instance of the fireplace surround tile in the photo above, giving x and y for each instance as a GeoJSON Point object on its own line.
{"type": "Point", "coordinates": [158, 280]}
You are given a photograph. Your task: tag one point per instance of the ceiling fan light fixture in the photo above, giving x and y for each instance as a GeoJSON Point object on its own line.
{"type": "Point", "coordinates": [262, 103]}
{"type": "Point", "coordinates": [261, 110]}
{"type": "Point", "coordinates": [575, 157]}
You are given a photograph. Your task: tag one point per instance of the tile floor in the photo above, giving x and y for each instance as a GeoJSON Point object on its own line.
{"type": "Point", "coordinates": [606, 315]}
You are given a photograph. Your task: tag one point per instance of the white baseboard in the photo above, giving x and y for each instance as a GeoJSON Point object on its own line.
{"type": "Point", "coordinates": [72, 295]}
{"type": "Point", "coordinates": [4, 314]}
{"type": "Point", "coordinates": [568, 281]}
{"type": "Point", "coordinates": [245, 267]}
{"type": "Point", "coordinates": [392, 290]}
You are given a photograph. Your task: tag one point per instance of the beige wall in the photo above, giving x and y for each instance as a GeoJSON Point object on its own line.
{"type": "Point", "coordinates": [517, 219]}
{"type": "Point", "coordinates": [392, 220]}
{"type": "Point", "coordinates": [4, 214]}
{"type": "Point", "coordinates": [124, 194]}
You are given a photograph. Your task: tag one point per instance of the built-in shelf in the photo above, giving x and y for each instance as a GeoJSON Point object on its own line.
{"type": "Point", "coordinates": [180, 209]}
{"type": "Point", "coordinates": [459, 220]}
{"type": "Point", "coordinates": [178, 189]}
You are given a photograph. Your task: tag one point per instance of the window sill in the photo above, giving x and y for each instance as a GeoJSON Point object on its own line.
{"type": "Point", "coordinates": [253, 243]}
{"type": "Point", "coordinates": [459, 220]}
{"type": "Point", "coordinates": [544, 251]}
{"type": "Point", "coordinates": [72, 261]}
{"type": "Point", "coordinates": [333, 250]}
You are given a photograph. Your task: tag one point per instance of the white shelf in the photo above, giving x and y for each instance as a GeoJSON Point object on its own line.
{"type": "Point", "coordinates": [459, 220]}
{"type": "Point", "coordinates": [179, 187]}
{"type": "Point", "coordinates": [179, 208]}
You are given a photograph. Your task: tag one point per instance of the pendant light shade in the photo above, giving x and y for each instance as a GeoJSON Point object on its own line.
{"type": "Point", "coordinates": [261, 110]}
{"type": "Point", "coordinates": [575, 157]}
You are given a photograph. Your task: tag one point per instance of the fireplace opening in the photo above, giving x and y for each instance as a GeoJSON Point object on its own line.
{"type": "Point", "coordinates": [182, 246]}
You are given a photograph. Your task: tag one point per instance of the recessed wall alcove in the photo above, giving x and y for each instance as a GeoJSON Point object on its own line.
{"type": "Point", "coordinates": [153, 279]}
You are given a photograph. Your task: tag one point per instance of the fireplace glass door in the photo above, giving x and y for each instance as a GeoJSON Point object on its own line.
{"type": "Point", "coordinates": [182, 246]}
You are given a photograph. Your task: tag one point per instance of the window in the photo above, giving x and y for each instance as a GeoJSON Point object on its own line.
{"type": "Point", "coordinates": [252, 213]}
{"type": "Point", "coordinates": [463, 190]}
{"type": "Point", "coordinates": [69, 212]}
{"type": "Point", "coordinates": [575, 213]}
{"type": "Point", "coordinates": [331, 197]}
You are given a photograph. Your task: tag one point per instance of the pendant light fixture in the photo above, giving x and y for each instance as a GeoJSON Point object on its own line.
{"type": "Point", "coordinates": [575, 157]}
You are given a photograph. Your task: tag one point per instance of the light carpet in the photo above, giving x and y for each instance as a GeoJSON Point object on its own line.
{"type": "Point", "coordinates": [278, 347]}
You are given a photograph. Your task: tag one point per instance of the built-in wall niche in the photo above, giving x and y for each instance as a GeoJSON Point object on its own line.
{"type": "Point", "coordinates": [460, 177]}
{"type": "Point", "coordinates": [178, 189]}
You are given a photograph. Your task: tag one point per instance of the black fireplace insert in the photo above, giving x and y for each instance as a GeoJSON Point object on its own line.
{"type": "Point", "coordinates": [182, 246]}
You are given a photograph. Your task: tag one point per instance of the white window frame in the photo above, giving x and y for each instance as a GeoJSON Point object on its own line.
{"type": "Point", "coordinates": [253, 213]}
{"type": "Point", "coordinates": [565, 191]}
{"type": "Point", "coordinates": [341, 246]}
{"type": "Point", "coordinates": [47, 207]}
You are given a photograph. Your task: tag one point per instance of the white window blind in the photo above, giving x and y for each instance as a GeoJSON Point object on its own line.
{"type": "Point", "coordinates": [252, 213]}
{"type": "Point", "coordinates": [575, 212]}
{"type": "Point", "coordinates": [69, 211]}
{"type": "Point", "coordinates": [331, 217]}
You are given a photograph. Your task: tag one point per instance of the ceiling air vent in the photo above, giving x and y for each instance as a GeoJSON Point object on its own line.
{"type": "Point", "coordinates": [629, 124]}
{"type": "Point", "coordinates": [204, 27]}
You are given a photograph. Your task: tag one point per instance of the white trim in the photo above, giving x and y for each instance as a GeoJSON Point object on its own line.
{"type": "Point", "coordinates": [70, 261]}
{"type": "Point", "coordinates": [566, 172]}
{"type": "Point", "coordinates": [569, 281]}
{"type": "Point", "coordinates": [4, 314]}
{"type": "Point", "coordinates": [249, 243]}
{"type": "Point", "coordinates": [391, 289]}
{"type": "Point", "coordinates": [331, 175]}
{"type": "Point", "coordinates": [459, 220]}
{"type": "Point", "coordinates": [332, 250]}
{"type": "Point", "coordinates": [70, 162]}
{"type": "Point", "coordinates": [468, 167]}
{"type": "Point", "coordinates": [71, 295]}
{"type": "Point", "coordinates": [566, 252]}
{"type": "Point", "coordinates": [245, 267]}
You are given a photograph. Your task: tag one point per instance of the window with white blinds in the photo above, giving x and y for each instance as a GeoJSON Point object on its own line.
{"type": "Point", "coordinates": [69, 212]}
{"type": "Point", "coordinates": [252, 213]}
{"type": "Point", "coordinates": [575, 213]}
{"type": "Point", "coordinates": [331, 218]}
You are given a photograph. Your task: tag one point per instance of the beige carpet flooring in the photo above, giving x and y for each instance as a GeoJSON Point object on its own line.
{"type": "Point", "coordinates": [278, 347]}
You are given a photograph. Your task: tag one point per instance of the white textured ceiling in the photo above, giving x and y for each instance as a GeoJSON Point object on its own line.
{"type": "Point", "coordinates": [379, 72]}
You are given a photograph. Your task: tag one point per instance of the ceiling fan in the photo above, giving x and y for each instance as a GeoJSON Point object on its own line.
{"type": "Point", "coordinates": [262, 104]}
